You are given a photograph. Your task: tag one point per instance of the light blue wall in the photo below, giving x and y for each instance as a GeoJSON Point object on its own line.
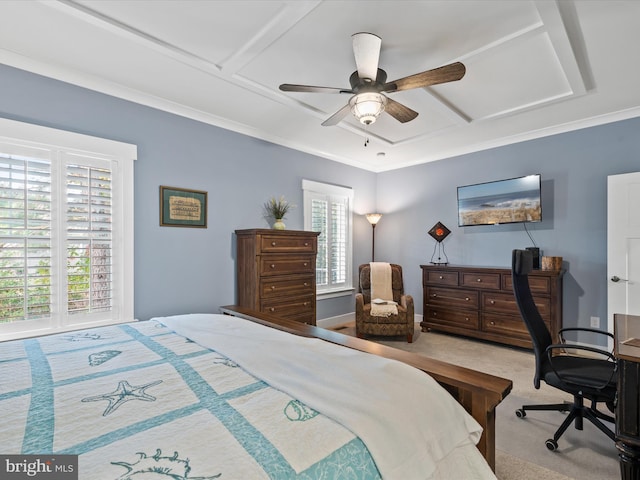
{"type": "Point", "coordinates": [574, 168]}
{"type": "Point", "coordinates": [181, 270]}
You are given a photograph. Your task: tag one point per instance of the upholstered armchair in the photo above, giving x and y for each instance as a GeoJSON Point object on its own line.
{"type": "Point", "coordinates": [400, 324]}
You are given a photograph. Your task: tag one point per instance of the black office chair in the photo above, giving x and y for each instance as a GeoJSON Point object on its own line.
{"type": "Point", "coordinates": [591, 377]}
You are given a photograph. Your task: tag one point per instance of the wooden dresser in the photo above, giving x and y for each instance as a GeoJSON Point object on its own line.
{"type": "Point", "coordinates": [276, 272]}
{"type": "Point", "coordinates": [479, 302]}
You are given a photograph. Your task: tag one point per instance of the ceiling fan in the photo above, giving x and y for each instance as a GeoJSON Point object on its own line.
{"type": "Point", "coordinates": [368, 83]}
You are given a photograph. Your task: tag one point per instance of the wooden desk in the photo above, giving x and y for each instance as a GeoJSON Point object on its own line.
{"type": "Point", "coordinates": [627, 351]}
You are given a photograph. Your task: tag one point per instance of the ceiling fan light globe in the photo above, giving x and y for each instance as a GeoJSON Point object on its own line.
{"type": "Point", "coordinates": [367, 107]}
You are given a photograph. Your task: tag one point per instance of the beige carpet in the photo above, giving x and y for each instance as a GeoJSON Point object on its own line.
{"type": "Point", "coordinates": [520, 443]}
{"type": "Point", "coordinates": [509, 467]}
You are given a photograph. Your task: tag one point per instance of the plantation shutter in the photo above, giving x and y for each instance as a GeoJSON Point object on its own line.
{"type": "Point", "coordinates": [27, 281]}
{"type": "Point", "coordinates": [89, 239]}
{"type": "Point", "coordinates": [338, 242]}
{"type": "Point", "coordinates": [25, 238]}
{"type": "Point", "coordinates": [319, 209]}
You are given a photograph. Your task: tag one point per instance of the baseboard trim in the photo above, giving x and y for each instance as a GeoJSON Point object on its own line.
{"type": "Point", "coordinates": [335, 321]}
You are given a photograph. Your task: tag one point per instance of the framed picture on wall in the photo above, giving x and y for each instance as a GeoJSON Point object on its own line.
{"type": "Point", "coordinates": [180, 207]}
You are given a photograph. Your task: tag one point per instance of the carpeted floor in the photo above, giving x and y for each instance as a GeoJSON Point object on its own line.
{"type": "Point", "coordinates": [520, 443]}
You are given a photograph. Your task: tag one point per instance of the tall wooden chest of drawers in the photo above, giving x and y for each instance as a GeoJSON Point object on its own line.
{"type": "Point", "coordinates": [276, 272]}
{"type": "Point", "coordinates": [479, 302]}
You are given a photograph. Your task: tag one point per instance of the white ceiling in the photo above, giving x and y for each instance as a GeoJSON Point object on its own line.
{"type": "Point", "coordinates": [534, 68]}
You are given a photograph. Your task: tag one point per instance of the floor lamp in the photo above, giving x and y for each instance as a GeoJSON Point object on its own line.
{"type": "Point", "coordinates": [373, 218]}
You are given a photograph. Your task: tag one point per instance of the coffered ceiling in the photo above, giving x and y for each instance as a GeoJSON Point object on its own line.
{"type": "Point", "coordinates": [533, 67]}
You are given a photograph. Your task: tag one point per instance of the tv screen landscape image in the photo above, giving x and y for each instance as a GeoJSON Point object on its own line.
{"type": "Point", "coordinates": [515, 200]}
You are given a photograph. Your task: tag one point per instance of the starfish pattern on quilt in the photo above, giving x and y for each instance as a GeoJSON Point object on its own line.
{"type": "Point", "coordinates": [124, 393]}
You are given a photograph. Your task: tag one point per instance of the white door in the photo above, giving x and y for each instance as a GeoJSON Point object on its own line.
{"type": "Point", "coordinates": [623, 245]}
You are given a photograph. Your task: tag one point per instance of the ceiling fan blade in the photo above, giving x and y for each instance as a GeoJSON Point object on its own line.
{"type": "Point", "coordinates": [289, 87]}
{"type": "Point", "coordinates": [400, 112]}
{"type": "Point", "coordinates": [366, 50]}
{"type": "Point", "coordinates": [336, 117]}
{"type": "Point", "coordinates": [448, 73]}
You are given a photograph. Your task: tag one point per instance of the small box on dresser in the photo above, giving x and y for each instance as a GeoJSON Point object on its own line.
{"type": "Point", "coordinates": [479, 302]}
{"type": "Point", "coordinates": [276, 272]}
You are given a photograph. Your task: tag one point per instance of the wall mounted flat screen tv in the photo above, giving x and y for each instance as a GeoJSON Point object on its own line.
{"type": "Point", "coordinates": [514, 200]}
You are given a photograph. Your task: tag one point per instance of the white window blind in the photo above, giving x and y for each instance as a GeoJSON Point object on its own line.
{"type": "Point", "coordinates": [89, 239]}
{"type": "Point", "coordinates": [327, 209]}
{"type": "Point", "coordinates": [66, 236]}
{"type": "Point", "coordinates": [25, 238]}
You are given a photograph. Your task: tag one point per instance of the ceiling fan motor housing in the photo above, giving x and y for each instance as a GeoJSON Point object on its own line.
{"type": "Point", "coordinates": [358, 84]}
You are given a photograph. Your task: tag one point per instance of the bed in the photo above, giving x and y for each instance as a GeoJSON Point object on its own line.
{"type": "Point", "coordinates": [217, 396]}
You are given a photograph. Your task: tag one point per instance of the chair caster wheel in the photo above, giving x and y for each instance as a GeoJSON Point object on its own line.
{"type": "Point", "coordinates": [520, 413]}
{"type": "Point", "coordinates": [551, 444]}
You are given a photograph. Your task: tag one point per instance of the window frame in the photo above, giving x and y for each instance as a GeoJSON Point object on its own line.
{"type": "Point", "coordinates": [60, 148]}
{"type": "Point", "coordinates": [329, 192]}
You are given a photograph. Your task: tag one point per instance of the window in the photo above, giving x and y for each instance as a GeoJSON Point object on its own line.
{"type": "Point", "coordinates": [328, 210]}
{"type": "Point", "coordinates": [66, 231]}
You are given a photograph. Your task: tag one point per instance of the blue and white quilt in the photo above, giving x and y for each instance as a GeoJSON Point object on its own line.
{"type": "Point", "coordinates": [140, 401]}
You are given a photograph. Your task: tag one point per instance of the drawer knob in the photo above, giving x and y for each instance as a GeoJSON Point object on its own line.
{"type": "Point", "coordinates": [466, 299]}
{"type": "Point", "coordinates": [306, 284]}
{"type": "Point", "coordinates": [306, 244]}
{"type": "Point", "coordinates": [273, 287]}
{"type": "Point", "coordinates": [466, 319]}
{"type": "Point", "coordinates": [306, 304]}
{"type": "Point", "coordinates": [478, 280]}
{"type": "Point", "coordinates": [492, 323]}
{"type": "Point", "coordinates": [272, 309]}
{"type": "Point", "coordinates": [273, 244]}
{"type": "Point", "coordinates": [492, 302]}
{"type": "Point", "coordinates": [434, 314]}
{"type": "Point", "coordinates": [441, 277]}
{"type": "Point", "coordinates": [305, 264]}
{"type": "Point", "coordinates": [434, 295]}
{"type": "Point", "coordinates": [273, 265]}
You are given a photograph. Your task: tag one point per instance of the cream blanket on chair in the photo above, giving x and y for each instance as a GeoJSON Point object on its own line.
{"type": "Point", "coordinates": [382, 304]}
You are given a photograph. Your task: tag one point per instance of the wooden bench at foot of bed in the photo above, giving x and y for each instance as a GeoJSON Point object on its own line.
{"type": "Point", "coordinates": [479, 393]}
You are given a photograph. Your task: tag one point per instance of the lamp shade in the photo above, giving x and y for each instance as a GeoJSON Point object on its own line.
{"type": "Point", "coordinates": [374, 218]}
{"type": "Point", "coordinates": [439, 232]}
